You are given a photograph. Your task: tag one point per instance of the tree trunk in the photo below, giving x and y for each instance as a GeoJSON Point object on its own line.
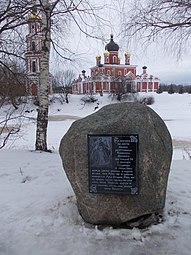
{"type": "Point", "coordinates": [42, 117]}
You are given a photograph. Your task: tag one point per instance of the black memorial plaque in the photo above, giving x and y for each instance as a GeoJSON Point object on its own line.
{"type": "Point", "coordinates": [113, 164]}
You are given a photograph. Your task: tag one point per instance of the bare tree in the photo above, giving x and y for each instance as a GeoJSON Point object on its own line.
{"type": "Point", "coordinates": [12, 101]}
{"type": "Point", "coordinates": [12, 83]}
{"type": "Point", "coordinates": [42, 117]}
{"type": "Point", "coordinates": [122, 85]}
{"type": "Point", "coordinates": [71, 9]}
{"type": "Point", "coordinates": [165, 20]}
{"type": "Point", "coordinates": [10, 125]}
{"type": "Point", "coordinates": [13, 18]}
{"type": "Point", "coordinates": [64, 78]}
{"type": "Point", "coordinates": [54, 14]}
{"type": "Point", "coordinates": [62, 84]}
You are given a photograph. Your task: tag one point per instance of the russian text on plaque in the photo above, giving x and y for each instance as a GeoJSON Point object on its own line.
{"type": "Point", "coordinates": [113, 164]}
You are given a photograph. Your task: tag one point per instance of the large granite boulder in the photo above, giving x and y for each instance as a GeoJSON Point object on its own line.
{"type": "Point", "coordinates": [155, 153]}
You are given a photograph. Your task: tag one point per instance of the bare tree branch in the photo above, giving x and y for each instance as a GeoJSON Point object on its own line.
{"type": "Point", "coordinates": [167, 20]}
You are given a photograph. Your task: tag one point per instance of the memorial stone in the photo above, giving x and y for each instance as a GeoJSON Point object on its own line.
{"type": "Point", "coordinates": [118, 161]}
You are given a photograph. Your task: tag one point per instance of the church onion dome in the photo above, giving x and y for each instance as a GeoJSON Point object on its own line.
{"type": "Point", "coordinates": [98, 56]}
{"type": "Point", "coordinates": [127, 53]}
{"type": "Point", "coordinates": [34, 16]}
{"type": "Point", "coordinates": [112, 46]}
{"type": "Point", "coordinates": [106, 53]}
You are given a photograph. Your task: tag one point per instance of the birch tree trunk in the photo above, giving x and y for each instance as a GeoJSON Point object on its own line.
{"type": "Point", "coordinates": [42, 117]}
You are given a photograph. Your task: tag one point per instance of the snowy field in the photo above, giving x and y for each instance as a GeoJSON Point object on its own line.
{"type": "Point", "coordinates": [37, 205]}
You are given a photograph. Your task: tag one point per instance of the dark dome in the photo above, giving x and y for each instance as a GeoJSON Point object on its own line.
{"type": "Point", "coordinates": [112, 46]}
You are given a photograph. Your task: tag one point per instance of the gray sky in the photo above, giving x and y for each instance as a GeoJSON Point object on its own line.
{"type": "Point", "coordinates": [161, 63]}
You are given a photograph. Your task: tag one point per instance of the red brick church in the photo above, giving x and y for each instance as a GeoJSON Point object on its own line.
{"type": "Point", "coordinates": [111, 76]}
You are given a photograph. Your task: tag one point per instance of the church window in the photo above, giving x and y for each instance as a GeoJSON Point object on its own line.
{"type": "Point", "coordinates": [108, 72]}
{"type": "Point", "coordinates": [38, 28]}
{"type": "Point", "coordinates": [150, 85]}
{"type": "Point", "coordinates": [114, 59]}
{"type": "Point", "coordinates": [107, 59]}
{"type": "Point", "coordinates": [34, 66]}
{"type": "Point", "coordinates": [33, 46]}
{"type": "Point", "coordinates": [33, 28]}
{"type": "Point", "coordinates": [119, 73]}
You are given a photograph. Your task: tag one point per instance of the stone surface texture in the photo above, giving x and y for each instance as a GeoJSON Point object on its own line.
{"type": "Point", "coordinates": [155, 153]}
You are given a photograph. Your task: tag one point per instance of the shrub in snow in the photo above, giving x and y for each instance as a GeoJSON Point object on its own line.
{"type": "Point", "coordinates": [147, 100]}
{"type": "Point", "coordinates": [159, 90]}
{"type": "Point", "coordinates": [188, 153]}
{"type": "Point", "coordinates": [181, 90]}
{"type": "Point", "coordinates": [134, 97]}
{"type": "Point", "coordinates": [35, 101]}
{"type": "Point", "coordinates": [89, 99]}
{"type": "Point", "coordinates": [171, 89]}
{"type": "Point", "coordinates": [57, 98]}
{"type": "Point", "coordinates": [127, 97]}
{"type": "Point", "coordinates": [130, 97]}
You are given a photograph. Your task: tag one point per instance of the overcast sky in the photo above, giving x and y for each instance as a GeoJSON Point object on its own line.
{"type": "Point", "coordinates": [161, 63]}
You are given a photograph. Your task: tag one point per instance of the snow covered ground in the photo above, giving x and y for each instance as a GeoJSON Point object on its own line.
{"type": "Point", "coordinates": [37, 205]}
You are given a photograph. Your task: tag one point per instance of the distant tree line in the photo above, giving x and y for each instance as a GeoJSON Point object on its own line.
{"type": "Point", "coordinates": [173, 88]}
{"type": "Point", "coordinates": [62, 81]}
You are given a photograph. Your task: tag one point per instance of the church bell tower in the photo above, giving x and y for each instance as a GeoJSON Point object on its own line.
{"type": "Point", "coordinates": [32, 54]}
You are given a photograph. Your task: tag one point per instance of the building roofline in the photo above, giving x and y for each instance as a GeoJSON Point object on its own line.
{"type": "Point", "coordinates": [114, 65]}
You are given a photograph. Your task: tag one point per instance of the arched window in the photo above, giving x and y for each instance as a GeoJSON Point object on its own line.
{"type": "Point", "coordinates": [108, 72]}
{"type": "Point", "coordinates": [38, 28]}
{"type": "Point", "coordinates": [119, 73]}
{"type": "Point", "coordinates": [33, 46]}
{"type": "Point", "coordinates": [34, 66]}
{"type": "Point", "coordinates": [114, 59]}
{"type": "Point", "coordinates": [32, 28]}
